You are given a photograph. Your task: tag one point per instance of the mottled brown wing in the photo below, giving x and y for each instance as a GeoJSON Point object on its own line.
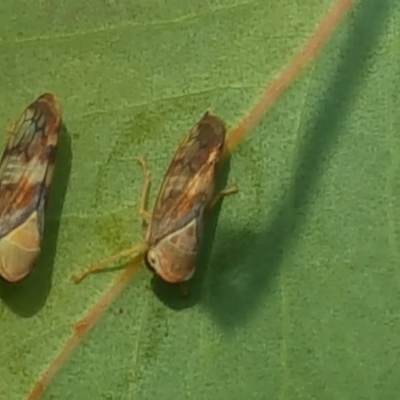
{"type": "Point", "coordinates": [27, 163]}
{"type": "Point", "coordinates": [189, 182]}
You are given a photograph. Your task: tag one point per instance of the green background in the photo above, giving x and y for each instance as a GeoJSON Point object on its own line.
{"type": "Point", "coordinates": [300, 297]}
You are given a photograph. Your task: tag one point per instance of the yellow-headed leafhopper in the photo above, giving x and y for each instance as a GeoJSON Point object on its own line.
{"type": "Point", "coordinates": [26, 169]}
{"type": "Point", "coordinates": [175, 227]}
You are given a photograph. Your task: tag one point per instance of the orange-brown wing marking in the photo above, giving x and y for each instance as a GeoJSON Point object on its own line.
{"type": "Point", "coordinates": [189, 182]}
{"type": "Point", "coordinates": [27, 163]}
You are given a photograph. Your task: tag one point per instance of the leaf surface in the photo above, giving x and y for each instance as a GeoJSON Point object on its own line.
{"type": "Point", "coordinates": [297, 293]}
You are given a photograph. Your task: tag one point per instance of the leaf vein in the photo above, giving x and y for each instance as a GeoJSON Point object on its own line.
{"type": "Point", "coordinates": [130, 24]}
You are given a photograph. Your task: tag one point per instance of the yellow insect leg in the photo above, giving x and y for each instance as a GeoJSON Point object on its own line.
{"type": "Point", "coordinates": [144, 214]}
{"type": "Point", "coordinates": [225, 192]}
{"type": "Point", "coordinates": [134, 252]}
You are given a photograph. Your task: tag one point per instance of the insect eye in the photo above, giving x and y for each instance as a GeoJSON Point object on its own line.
{"type": "Point", "coordinates": [151, 259]}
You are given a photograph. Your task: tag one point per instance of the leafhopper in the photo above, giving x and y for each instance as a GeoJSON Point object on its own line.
{"type": "Point", "coordinates": [175, 226]}
{"type": "Point", "coordinates": [26, 169]}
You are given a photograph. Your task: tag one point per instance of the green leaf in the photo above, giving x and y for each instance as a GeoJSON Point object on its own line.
{"type": "Point", "coordinates": [298, 290]}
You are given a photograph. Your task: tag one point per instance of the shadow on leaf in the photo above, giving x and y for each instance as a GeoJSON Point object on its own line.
{"type": "Point", "coordinates": [245, 265]}
{"type": "Point", "coordinates": [27, 297]}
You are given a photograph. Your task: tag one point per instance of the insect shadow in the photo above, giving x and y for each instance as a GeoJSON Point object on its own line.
{"type": "Point", "coordinates": [184, 296]}
{"type": "Point", "coordinates": [246, 263]}
{"type": "Point", "coordinates": [28, 296]}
